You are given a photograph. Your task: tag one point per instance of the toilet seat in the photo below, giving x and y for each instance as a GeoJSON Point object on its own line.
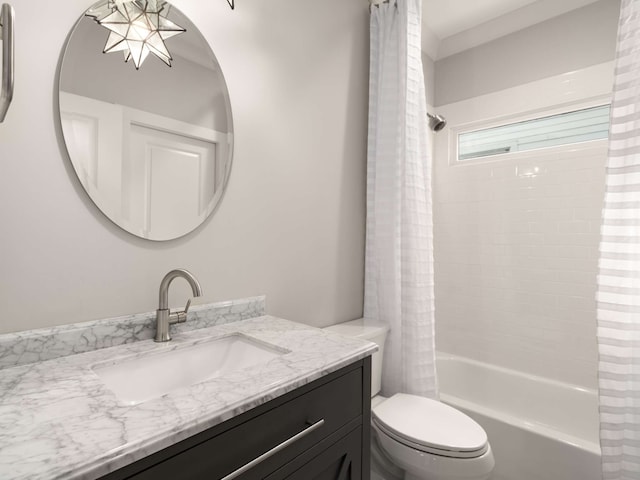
{"type": "Point", "coordinates": [430, 426]}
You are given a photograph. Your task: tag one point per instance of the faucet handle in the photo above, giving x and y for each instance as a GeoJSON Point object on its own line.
{"type": "Point", "coordinates": [180, 316]}
{"type": "Point", "coordinates": [186, 307]}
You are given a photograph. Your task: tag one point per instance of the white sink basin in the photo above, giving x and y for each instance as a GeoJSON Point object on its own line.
{"type": "Point", "coordinates": [135, 380]}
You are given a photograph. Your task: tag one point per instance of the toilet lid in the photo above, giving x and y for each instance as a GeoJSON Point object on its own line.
{"type": "Point", "coordinates": [431, 424]}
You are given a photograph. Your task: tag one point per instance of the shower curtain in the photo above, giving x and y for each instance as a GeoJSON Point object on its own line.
{"type": "Point", "coordinates": [618, 296]}
{"type": "Point", "coordinates": [399, 240]}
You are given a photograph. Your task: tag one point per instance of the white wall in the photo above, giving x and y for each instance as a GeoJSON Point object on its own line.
{"type": "Point", "coordinates": [575, 40]}
{"type": "Point", "coordinates": [516, 255]}
{"type": "Point", "coordinates": [90, 73]}
{"type": "Point", "coordinates": [516, 237]}
{"type": "Point", "coordinates": [291, 225]}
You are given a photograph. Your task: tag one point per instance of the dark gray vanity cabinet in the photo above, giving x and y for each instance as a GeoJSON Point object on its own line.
{"type": "Point", "coordinates": [320, 431]}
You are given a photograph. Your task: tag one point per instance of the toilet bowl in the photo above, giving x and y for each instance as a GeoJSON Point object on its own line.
{"type": "Point", "coordinates": [427, 439]}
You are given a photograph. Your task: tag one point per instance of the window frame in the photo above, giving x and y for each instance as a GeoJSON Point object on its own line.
{"type": "Point", "coordinates": [485, 124]}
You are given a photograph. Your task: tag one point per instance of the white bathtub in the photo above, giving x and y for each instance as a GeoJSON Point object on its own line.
{"type": "Point", "coordinates": [539, 429]}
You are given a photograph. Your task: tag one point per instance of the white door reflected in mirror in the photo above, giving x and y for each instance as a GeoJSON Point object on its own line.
{"type": "Point", "coordinates": [170, 162]}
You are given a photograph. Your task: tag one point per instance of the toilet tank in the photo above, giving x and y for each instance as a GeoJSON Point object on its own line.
{"type": "Point", "coordinates": [373, 332]}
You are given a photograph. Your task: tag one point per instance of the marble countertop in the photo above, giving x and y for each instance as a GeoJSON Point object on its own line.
{"type": "Point", "coordinates": [59, 421]}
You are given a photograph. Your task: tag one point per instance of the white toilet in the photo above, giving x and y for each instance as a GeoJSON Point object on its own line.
{"type": "Point", "coordinates": [427, 439]}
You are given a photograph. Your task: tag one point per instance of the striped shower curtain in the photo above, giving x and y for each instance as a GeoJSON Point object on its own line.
{"type": "Point", "coordinates": [399, 244]}
{"type": "Point", "coordinates": [618, 296]}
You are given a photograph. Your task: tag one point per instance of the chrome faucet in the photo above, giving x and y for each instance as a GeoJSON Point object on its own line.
{"type": "Point", "coordinates": [164, 317]}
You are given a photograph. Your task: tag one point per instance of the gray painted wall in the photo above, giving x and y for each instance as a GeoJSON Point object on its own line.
{"type": "Point", "coordinates": [291, 224]}
{"type": "Point", "coordinates": [578, 39]}
{"type": "Point", "coordinates": [186, 91]}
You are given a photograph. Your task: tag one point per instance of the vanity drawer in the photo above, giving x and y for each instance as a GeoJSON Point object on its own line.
{"type": "Point", "coordinates": [336, 459]}
{"type": "Point", "coordinates": [299, 422]}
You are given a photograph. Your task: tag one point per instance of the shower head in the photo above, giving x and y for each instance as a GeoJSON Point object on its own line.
{"type": "Point", "coordinates": [436, 122]}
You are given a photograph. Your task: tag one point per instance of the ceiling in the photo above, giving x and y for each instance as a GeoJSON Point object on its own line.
{"type": "Point", "coordinates": [452, 26]}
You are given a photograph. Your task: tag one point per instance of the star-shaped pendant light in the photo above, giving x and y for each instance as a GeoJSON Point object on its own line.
{"type": "Point", "coordinates": [137, 28]}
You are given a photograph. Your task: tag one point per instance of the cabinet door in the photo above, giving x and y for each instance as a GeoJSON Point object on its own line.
{"type": "Point", "coordinates": [340, 461]}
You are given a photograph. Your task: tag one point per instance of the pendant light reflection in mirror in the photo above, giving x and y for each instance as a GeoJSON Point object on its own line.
{"type": "Point", "coordinates": [136, 28]}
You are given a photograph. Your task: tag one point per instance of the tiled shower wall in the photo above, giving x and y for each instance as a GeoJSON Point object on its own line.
{"type": "Point", "coordinates": [516, 241]}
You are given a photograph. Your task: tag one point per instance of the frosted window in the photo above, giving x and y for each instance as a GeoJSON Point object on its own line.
{"type": "Point", "coordinates": [562, 129]}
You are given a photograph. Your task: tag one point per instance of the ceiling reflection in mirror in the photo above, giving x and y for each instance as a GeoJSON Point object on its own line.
{"type": "Point", "coordinates": [152, 146]}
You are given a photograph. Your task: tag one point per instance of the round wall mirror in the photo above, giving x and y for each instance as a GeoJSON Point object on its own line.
{"type": "Point", "coordinates": [146, 117]}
